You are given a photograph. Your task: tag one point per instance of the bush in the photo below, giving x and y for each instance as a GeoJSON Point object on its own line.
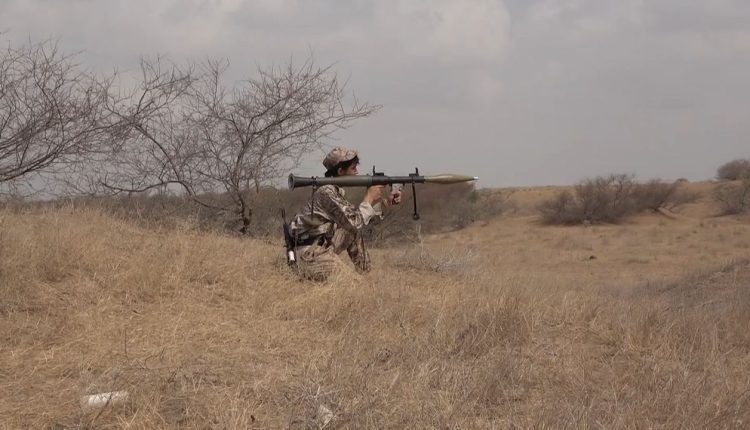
{"type": "Point", "coordinates": [606, 199]}
{"type": "Point", "coordinates": [601, 199]}
{"type": "Point", "coordinates": [734, 198]}
{"type": "Point", "coordinates": [733, 170]}
{"type": "Point", "coordinates": [611, 199]}
{"type": "Point", "coordinates": [656, 194]}
{"type": "Point", "coordinates": [561, 209]}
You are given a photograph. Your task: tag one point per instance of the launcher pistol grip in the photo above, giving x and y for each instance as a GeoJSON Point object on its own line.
{"type": "Point", "coordinates": [376, 173]}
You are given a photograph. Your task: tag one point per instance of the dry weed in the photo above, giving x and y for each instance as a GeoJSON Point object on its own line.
{"type": "Point", "coordinates": [210, 331]}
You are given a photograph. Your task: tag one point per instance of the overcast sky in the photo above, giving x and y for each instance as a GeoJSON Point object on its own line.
{"type": "Point", "coordinates": [518, 92]}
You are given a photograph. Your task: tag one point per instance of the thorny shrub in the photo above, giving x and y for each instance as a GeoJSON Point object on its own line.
{"type": "Point", "coordinates": [656, 194]}
{"type": "Point", "coordinates": [734, 198]}
{"type": "Point", "coordinates": [733, 170]}
{"type": "Point", "coordinates": [611, 199]}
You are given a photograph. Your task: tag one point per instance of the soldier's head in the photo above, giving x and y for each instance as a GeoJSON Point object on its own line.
{"type": "Point", "coordinates": [341, 162]}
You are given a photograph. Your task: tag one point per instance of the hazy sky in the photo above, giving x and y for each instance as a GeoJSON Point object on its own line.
{"type": "Point", "coordinates": [518, 92]}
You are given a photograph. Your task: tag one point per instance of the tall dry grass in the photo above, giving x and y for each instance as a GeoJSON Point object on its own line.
{"type": "Point", "coordinates": [211, 331]}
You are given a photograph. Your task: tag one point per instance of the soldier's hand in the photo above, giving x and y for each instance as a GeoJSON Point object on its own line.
{"type": "Point", "coordinates": [396, 196]}
{"type": "Point", "coordinates": [373, 193]}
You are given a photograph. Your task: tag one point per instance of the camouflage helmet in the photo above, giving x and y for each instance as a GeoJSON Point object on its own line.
{"type": "Point", "coordinates": [338, 155]}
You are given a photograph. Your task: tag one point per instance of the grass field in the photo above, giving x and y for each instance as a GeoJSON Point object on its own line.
{"type": "Point", "coordinates": [503, 324]}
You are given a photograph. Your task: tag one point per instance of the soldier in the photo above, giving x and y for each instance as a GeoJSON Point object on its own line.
{"type": "Point", "coordinates": [329, 224]}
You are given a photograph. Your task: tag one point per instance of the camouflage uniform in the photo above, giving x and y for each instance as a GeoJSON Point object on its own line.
{"type": "Point", "coordinates": [328, 225]}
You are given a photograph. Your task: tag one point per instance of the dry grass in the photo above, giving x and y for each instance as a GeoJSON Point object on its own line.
{"type": "Point", "coordinates": [525, 330]}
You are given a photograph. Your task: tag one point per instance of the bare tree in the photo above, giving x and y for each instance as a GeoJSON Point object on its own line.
{"type": "Point", "coordinates": [50, 110]}
{"type": "Point", "coordinates": [188, 128]}
{"type": "Point", "coordinates": [152, 144]}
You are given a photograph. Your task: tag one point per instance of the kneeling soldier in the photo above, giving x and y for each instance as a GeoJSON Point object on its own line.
{"type": "Point", "coordinates": [329, 224]}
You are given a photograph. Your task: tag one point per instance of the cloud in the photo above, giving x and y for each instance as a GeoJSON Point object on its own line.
{"type": "Point", "coordinates": [697, 15]}
{"type": "Point", "coordinates": [445, 30]}
{"type": "Point", "coordinates": [546, 91]}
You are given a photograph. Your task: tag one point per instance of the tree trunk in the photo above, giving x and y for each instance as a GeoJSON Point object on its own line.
{"type": "Point", "coordinates": [246, 216]}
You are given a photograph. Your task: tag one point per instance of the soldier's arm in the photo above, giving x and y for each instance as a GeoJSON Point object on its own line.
{"type": "Point", "coordinates": [343, 213]}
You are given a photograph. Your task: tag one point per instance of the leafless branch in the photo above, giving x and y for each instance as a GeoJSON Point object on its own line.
{"type": "Point", "coordinates": [186, 127]}
{"type": "Point", "coordinates": [51, 111]}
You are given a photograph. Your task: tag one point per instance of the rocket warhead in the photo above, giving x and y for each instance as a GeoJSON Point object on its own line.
{"type": "Point", "coordinates": [449, 179]}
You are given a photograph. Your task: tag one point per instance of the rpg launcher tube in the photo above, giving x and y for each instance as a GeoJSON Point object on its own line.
{"type": "Point", "coordinates": [370, 180]}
